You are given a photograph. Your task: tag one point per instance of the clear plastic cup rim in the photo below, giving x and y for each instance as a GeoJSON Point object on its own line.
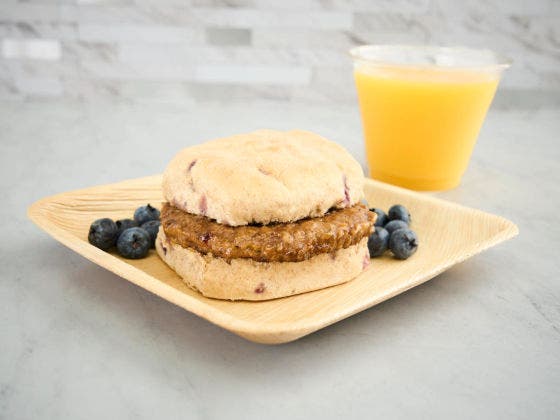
{"type": "Point", "coordinates": [430, 57]}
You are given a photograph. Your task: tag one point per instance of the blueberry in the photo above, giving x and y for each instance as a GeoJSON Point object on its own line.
{"type": "Point", "coordinates": [125, 224]}
{"type": "Point", "coordinates": [145, 214]}
{"type": "Point", "coordinates": [403, 243]}
{"type": "Point", "coordinates": [103, 233]}
{"type": "Point", "coordinates": [134, 243]}
{"type": "Point", "coordinates": [394, 225]}
{"type": "Point", "coordinates": [152, 227]}
{"type": "Point", "coordinates": [381, 217]}
{"type": "Point", "coordinates": [398, 212]}
{"type": "Point", "coordinates": [378, 242]}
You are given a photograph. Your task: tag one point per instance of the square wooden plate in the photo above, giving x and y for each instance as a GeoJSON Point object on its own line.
{"type": "Point", "coordinates": [448, 234]}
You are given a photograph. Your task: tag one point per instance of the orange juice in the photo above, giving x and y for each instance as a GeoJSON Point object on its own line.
{"type": "Point", "coordinates": [421, 123]}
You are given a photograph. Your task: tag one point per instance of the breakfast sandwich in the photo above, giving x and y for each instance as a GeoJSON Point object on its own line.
{"type": "Point", "coordinates": [264, 215]}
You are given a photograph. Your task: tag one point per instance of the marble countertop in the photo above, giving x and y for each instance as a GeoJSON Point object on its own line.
{"type": "Point", "coordinates": [481, 340]}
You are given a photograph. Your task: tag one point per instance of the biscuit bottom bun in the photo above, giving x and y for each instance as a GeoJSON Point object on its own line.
{"type": "Point", "coordinates": [246, 279]}
{"type": "Point", "coordinates": [264, 215]}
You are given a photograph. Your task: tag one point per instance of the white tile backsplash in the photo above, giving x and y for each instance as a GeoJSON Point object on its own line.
{"type": "Point", "coordinates": [29, 12]}
{"type": "Point", "coordinates": [228, 36]}
{"type": "Point", "coordinates": [39, 86]}
{"type": "Point", "coordinates": [79, 51]}
{"type": "Point", "coordinates": [103, 2]}
{"type": "Point", "coordinates": [417, 6]}
{"type": "Point", "coordinates": [188, 54]}
{"type": "Point", "coordinates": [282, 50]}
{"type": "Point", "coordinates": [33, 49]}
{"type": "Point", "coordinates": [493, 7]}
{"type": "Point", "coordinates": [253, 75]}
{"type": "Point", "coordinates": [108, 14]}
{"type": "Point", "coordinates": [146, 70]}
{"type": "Point", "coordinates": [140, 33]}
{"type": "Point", "coordinates": [254, 18]}
{"type": "Point", "coordinates": [25, 30]}
{"type": "Point", "coordinates": [339, 41]}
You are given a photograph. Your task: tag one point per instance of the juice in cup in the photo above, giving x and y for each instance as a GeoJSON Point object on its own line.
{"type": "Point", "coordinates": [422, 109]}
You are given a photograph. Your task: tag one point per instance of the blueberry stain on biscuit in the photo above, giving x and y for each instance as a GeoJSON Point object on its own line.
{"type": "Point", "coordinates": [365, 261]}
{"type": "Point", "coordinates": [203, 205]}
{"type": "Point", "coordinates": [164, 249]}
{"type": "Point", "coordinates": [346, 191]}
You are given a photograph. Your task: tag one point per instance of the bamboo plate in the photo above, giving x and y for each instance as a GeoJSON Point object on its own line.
{"type": "Point", "coordinates": [448, 234]}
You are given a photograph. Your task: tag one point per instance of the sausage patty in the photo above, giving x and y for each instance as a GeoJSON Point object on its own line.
{"type": "Point", "coordinates": [282, 242]}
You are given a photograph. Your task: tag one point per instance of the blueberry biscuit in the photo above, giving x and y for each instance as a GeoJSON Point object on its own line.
{"type": "Point", "coordinates": [264, 215]}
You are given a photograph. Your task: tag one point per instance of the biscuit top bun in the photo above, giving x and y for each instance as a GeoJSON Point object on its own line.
{"type": "Point", "coordinates": [263, 177]}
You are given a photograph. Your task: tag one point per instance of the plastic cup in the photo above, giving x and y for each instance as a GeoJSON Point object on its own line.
{"type": "Point", "coordinates": [422, 108]}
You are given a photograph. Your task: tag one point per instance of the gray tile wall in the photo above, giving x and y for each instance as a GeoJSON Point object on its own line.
{"type": "Point", "coordinates": [196, 50]}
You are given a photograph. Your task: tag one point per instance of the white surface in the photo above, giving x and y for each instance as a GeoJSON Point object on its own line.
{"type": "Point", "coordinates": [479, 341]}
